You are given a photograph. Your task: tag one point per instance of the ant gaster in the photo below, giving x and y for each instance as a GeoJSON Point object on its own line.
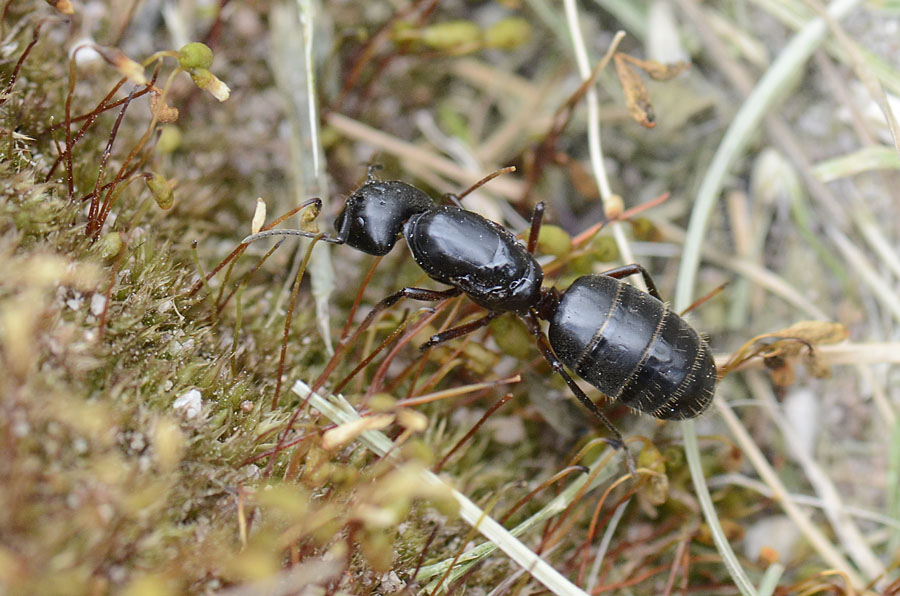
{"type": "Point", "coordinates": [623, 341]}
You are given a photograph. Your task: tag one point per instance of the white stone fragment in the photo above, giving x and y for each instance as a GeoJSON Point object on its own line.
{"type": "Point", "coordinates": [98, 303]}
{"type": "Point", "coordinates": [189, 404]}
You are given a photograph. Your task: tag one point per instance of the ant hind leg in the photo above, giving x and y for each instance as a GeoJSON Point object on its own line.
{"type": "Point", "coordinates": [626, 270]}
{"type": "Point", "coordinates": [617, 442]}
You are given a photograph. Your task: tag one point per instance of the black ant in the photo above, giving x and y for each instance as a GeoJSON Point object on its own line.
{"type": "Point", "coordinates": [623, 341]}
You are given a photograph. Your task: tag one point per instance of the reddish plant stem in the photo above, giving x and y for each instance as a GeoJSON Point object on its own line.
{"type": "Point", "coordinates": [367, 52]}
{"type": "Point", "coordinates": [15, 73]}
{"type": "Point", "coordinates": [290, 316]}
{"type": "Point", "coordinates": [365, 362]}
{"type": "Point", "coordinates": [242, 247]}
{"type": "Point", "coordinates": [420, 365]}
{"type": "Point", "coordinates": [126, 22]}
{"type": "Point", "coordinates": [339, 353]}
{"type": "Point", "coordinates": [101, 326]}
{"type": "Point", "coordinates": [215, 30]}
{"type": "Point", "coordinates": [472, 431]}
{"type": "Point", "coordinates": [359, 296]}
{"type": "Point", "coordinates": [542, 486]}
{"type": "Point", "coordinates": [3, 16]}
{"type": "Point", "coordinates": [291, 443]}
{"type": "Point", "coordinates": [378, 379]}
{"type": "Point", "coordinates": [94, 223]}
{"type": "Point", "coordinates": [592, 529]}
{"type": "Point", "coordinates": [68, 124]}
{"type": "Point", "coordinates": [92, 116]}
{"type": "Point", "coordinates": [221, 306]}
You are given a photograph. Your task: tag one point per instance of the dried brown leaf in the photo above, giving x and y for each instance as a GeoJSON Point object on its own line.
{"type": "Point", "coordinates": [657, 70]}
{"type": "Point", "coordinates": [637, 99]}
{"type": "Point", "coordinates": [776, 348]}
{"type": "Point", "coordinates": [164, 113]}
{"type": "Point", "coordinates": [815, 332]}
{"type": "Point", "coordinates": [781, 370]}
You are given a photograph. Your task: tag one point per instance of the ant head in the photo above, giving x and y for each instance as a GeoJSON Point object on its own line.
{"type": "Point", "coordinates": [373, 216]}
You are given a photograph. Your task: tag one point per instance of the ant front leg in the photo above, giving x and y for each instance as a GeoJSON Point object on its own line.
{"type": "Point", "coordinates": [412, 293]}
{"type": "Point", "coordinates": [618, 442]}
{"type": "Point", "coordinates": [347, 341]}
{"type": "Point", "coordinates": [626, 270]}
{"type": "Point", "coordinates": [459, 331]}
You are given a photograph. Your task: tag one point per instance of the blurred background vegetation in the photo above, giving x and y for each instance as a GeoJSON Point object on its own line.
{"type": "Point", "coordinates": [151, 443]}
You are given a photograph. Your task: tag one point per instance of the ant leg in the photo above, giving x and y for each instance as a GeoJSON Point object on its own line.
{"type": "Point", "coordinates": [349, 340]}
{"type": "Point", "coordinates": [537, 217]}
{"type": "Point", "coordinates": [618, 442]}
{"type": "Point", "coordinates": [458, 331]}
{"type": "Point", "coordinates": [289, 232]}
{"type": "Point", "coordinates": [625, 271]}
{"type": "Point", "coordinates": [412, 293]}
{"type": "Point", "coordinates": [456, 199]}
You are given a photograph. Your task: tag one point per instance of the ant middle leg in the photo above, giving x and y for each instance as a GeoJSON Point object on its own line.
{"type": "Point", "coordinates": [626, 270]}
{"type": "Point", "coordinates": [617, 442]}
{"type": "Point", "coordinates": [459, 331]}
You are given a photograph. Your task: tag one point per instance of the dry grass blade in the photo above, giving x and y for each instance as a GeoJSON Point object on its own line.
{"type": "Point", "coordinates": [341, 412]}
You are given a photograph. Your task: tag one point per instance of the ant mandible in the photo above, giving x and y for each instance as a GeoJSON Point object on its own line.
{"type": "Point", "coordinates": [625, 342]}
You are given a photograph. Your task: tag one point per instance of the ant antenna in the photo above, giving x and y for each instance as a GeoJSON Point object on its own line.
{"type": "Point", "coordinates": [483, 181]}
{"type": "Point", "coordinates": [289, 232]}
{"type": "Point", "coordinates": [370, 171]}
{"type": "Point", "coordinates": [308, 216]}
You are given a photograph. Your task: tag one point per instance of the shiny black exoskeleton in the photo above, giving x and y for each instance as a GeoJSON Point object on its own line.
{"type": "Point", "coordinates": [623, 341]}
{"type": "Point", "coordinates": [483, 259]}
{"type": "Point", "coordinates": [630, 346]}
{"type": "Point", "coordinates": [453, 246]}
{"type": "Point", "coordinates": [374, 215]}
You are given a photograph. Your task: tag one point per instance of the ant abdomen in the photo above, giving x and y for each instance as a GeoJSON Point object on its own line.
{"type": "Point", "coordinates": [631, 347]}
